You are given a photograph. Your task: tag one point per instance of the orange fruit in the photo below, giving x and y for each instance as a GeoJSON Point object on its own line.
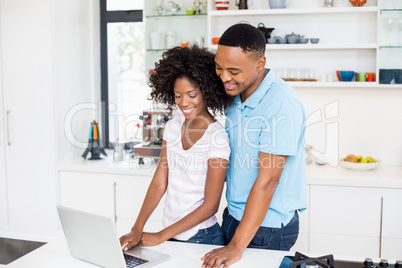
{"type": "Point", "coordinates": [351, 158]}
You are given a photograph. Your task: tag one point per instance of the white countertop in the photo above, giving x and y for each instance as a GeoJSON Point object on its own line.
{"type": "Point", "coordinates": [382, 177]}
{"type": "Point", "coordinates": [56, 254]}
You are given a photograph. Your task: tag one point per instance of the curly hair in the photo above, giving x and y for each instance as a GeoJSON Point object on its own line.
{"type": "Point", "coordinates": [245, 36]}
{"type": "Point", "coordinates": [198, 66]}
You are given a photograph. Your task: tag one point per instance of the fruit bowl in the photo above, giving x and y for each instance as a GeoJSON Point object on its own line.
{"type": "Point", "coordinates": [360, 166]}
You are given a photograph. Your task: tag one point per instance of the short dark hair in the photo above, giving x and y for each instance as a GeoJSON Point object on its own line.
{"type": "Point", "coordinates": [198, 66]}
{"type": "Point", "coordinates": [245, 36]}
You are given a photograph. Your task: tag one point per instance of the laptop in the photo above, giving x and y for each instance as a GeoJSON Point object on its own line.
{"type": "Point", "coordinates": [93, 238]}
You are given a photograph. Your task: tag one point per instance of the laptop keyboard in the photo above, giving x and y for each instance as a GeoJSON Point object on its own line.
{"type": "Point", "coordinates": [132, 261]}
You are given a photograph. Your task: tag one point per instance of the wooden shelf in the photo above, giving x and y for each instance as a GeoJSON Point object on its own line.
{"type": "Point", "coordinates": [291, 11]}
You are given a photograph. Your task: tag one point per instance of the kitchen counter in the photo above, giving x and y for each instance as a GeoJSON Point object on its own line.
{"type": "Point", "coordinates": [56, 254]}
{"type": "Point", "coordinates": [382, 177]}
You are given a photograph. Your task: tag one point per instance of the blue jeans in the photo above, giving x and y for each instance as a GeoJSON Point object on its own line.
{"type": "Point", "coordinates": [212, 235]}
{"type": "Point", "coordinates": [265, 238]}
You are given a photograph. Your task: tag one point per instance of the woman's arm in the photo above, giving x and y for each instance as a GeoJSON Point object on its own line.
{"type": "Point", "coordinates": [156, 190]}
{"type": "Point", "coordinates": [215, 180]}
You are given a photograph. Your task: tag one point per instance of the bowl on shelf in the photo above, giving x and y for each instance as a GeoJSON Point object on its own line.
{"type": "Point", "coordinates": [304, 40]}
{"type": "Point", "coordinates": [347, 76]}
{"type": "Point", "coordinates": [271, 41]}
{"type": "Point", "coordinates": [357, 3]}
{"type": "Point", "coordinates": [314, 40]}
{"type": "Point", "coordinates": [360, 166]}
{"type": "Point", "coordinates": [277, 4]}
{"type": "Point", "coordinates": [190, 11]}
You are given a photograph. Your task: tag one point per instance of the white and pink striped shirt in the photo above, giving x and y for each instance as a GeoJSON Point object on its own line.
{"type": "Point", "coordinates": [188, 172]}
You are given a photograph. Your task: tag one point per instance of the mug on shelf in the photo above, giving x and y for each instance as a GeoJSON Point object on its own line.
{"type": "Point", "coordinates": [157, 40]}
{"type": "Point", "coordinates": [398, 76]}
{"type": "Point", "coordinates": [370, 77]}
{"type": "Point", "coordinates": [362, 77]}
{"type": "Point", "coordinates": [386, 76]}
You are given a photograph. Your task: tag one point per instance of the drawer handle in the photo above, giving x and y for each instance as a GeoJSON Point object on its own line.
{"type": "Point", "coordinates": [8, 127]}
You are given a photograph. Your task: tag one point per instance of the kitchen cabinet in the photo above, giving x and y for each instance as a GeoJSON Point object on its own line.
{"type": "Point", "coordinates": [391, 233]}
{"type": "Point", "coordinates": [118, 197]}
{"type": "Point", "coordinates": [28, 146]}
{"type": "Point", "coordinates": [186, 28]}
{"type": "Point", "coordinates": [355, 221]}
{"type": "Point", "coordinates": [349, 39]}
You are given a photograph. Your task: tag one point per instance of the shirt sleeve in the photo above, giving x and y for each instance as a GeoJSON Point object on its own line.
{"type": "Point", "coordinates": [282, 128]}
{"type": "Point", "coordinates": [219, 145]}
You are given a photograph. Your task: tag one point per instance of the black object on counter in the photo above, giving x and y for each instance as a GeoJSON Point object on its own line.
{"type": "Point", "coordinates": [12, 249]}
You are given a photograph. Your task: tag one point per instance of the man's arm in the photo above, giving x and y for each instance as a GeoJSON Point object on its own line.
{"type": "Point", "coordinates": [269, 172]}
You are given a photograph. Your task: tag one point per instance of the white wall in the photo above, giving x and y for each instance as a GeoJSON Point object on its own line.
{"type": "Point", "coordinates": [77, 73]}
{"type": "Point", "coordinates": [370, 121]}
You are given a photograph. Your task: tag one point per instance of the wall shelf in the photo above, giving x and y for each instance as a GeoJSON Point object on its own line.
{"type": "Point", "coordinates": [175, 16]}
{"type": "Point", "coordinates": [295, 11]}
{"type": "Point", "coordinates": [337, 84]}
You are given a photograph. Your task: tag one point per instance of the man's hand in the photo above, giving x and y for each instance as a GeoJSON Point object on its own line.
{"type": "Point", "coordinates": [225, 255]}
{"type": "Point", "coordinates": [151, 239]}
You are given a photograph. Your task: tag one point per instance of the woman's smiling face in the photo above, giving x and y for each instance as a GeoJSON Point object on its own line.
{"type": "Point", "coordinates": [189, 99]}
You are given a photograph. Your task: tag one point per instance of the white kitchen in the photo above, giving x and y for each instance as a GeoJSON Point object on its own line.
{"type": "Point", "coordinates": [63, 70]}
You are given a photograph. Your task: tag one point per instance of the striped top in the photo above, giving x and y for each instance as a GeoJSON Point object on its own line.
{"type": "Point", "coordinates": [188, 170]}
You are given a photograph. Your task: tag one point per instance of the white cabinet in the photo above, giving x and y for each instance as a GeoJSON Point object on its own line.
{"type": "Point", "coordinates": [27, 113]}
{"type": "Point", "coordinates": [302, 242]}
{"type": "Point", "coordinates": [119, 197]}
{"type": "Point", "coordinates": [391, 239]}
{"type": "Point", "coordinates": [355, 221]}
{"type": "Point", "coordinates": [90, 192]}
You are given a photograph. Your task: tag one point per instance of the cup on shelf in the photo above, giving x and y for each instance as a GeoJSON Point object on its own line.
{"type": "Point", "coordinates": [199, 41]}
{"type": "Point", "coordinates": [386, 76]}
{"type": "Point", "coordinates": [215, 40]}
{"type": "Point", "coordinates": [398, 76]}
{"type": "Point", "coordinates": [362, 77]}
{"type": "Point", "coordinates": [221, 4]}
{"type": "Point", "coordinates": [170, 39]}
{"type": "Point", "coordinates": [328, 3]}
{"type": "Point", "coordinates": [370, 77]}
{"type": "Point", "coordinates": [157, 40]}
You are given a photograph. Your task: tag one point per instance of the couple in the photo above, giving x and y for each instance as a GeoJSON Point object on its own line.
{"type": "Point", "coordinates": [260, 155]}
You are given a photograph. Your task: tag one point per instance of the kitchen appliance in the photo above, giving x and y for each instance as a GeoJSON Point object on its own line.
{"type": "Point", "coordinates": [153, 125]}
{"type": "Point", "coordinates": [328, 261]}
{"type": "Point", "coordinates": [13, 249]}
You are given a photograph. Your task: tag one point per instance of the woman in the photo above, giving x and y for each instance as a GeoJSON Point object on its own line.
{"type": "Point", "coordinates": [195, 152]}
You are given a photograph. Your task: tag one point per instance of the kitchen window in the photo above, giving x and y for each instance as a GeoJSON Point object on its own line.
{"type": "Point", "coordinates": [124, 89]}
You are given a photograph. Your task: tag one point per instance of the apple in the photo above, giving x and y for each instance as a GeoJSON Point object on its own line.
{"type": "Point", "coordinates": [364, 160]}
{"type": "Point", "coordinates": [359, 158]}
{"type": "Point", "coordinates": [370, 159]}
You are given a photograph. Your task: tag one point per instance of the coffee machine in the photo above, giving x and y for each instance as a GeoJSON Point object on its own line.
{"type": "Point", "coordinates": [153, 125]}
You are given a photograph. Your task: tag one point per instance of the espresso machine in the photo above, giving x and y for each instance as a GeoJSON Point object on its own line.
{"type": "Point", "coordinates": [153, 125]}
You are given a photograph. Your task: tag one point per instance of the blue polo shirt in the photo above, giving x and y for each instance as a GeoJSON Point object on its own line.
{"type": "Point", "coordinates": [272, 121]}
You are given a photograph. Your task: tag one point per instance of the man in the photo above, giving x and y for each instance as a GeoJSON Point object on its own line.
{"type": "Point", "coordinates": [266, 175]}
